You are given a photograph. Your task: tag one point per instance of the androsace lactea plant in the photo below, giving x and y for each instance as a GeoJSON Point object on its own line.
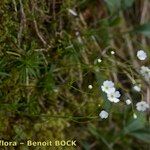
{"type": "Point", "coordinates": [114, 95]}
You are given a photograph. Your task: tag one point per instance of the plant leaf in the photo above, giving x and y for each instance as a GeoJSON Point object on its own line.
{"type": "Point", "coordinates": [115, 5]}
{"type": "Point", "coordinates": [143, 29]}
{"type": "Point", "coordinates": [143, 135]}
{"type": "Point", "coordinates": [135, 124]}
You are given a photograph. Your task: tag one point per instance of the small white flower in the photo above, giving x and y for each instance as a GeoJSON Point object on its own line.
{"type": "Point", "coordinates": [96, 61]}
{"type": "Point", "coordinates": [112, 52]}
{"type": "Point", "coordinates": [99, 60]}
{"type": "Point", "coordinates": [142, 106]}
{"type": "Point", "coordinates": [114, 97]}
{"type": "Point", "coordinates": [72, 12]}
{"type": "Point", "coordinates": [77, 33]}
{"type": "Point", "coordinates": [134, 116]}
{"type": "Point", "coordinates": [128, 102]}
{"type": "Point", "coordinates": [137, 88]}
{"type": "Point", "coordinates": [90, 86]}
{"type": "Point", "coordinates": [99, 105]}
{"type": "Point", "coordinates": [141, 55]}
{"type": "Point", "coordinates": [145, 72]}
{"type": "Point", "coordinates": [55, 90]}
{"type": "Point", "coordinates": [103, 114]}
{"type": "Point", "coordinates": [108, 87]}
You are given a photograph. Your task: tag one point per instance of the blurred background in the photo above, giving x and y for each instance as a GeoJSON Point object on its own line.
{"type": "Point", "coordinates": [52, 50]}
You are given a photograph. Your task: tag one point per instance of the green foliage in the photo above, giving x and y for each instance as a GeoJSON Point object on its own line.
{"type": "Point", "coordinates": [143, 29]}
{"type": "Point", "coordinates": [117, 5]}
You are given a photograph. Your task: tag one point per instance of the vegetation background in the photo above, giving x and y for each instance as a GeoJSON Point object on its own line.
{"type": "Point", "coordinates": [48, 57]}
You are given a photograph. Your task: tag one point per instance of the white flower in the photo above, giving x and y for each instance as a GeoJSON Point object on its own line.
{"type": "Point", "coordinates": [103, 114]}
{"type": "Point", "coordinates": [112, 52]}
{"type": "Point", "coordinates": [108, 87]}
{"type": "Point", "coordinates": [72, 12]}
{"type": "Point", "coordinates": [112, 94]}
{"type": "Point", "coordinates": [96, 61]}
{"type": "Point", "coordinates": [90, 86]}
{"type": "Point", "coordinates": [99, 60]}
{"type": "Point", "coordinates": [142, 106]}
{"type": "Point", "coordinates": [114, 97]}
{"type": "Point", "coordinates": [134, 116]}
{"type": "Point", "coordinates": [141, 55]}
{"type": "Point", "coordinates": [56, 90]}
{"type": "Point", "coordinates": [128, 101]}
{"type": "Point", "coordinates": [145, 72]}
{"type": "Point", "coordinates": [77, 33]}
{"type": "Point", "coordinates": [137, 88]}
